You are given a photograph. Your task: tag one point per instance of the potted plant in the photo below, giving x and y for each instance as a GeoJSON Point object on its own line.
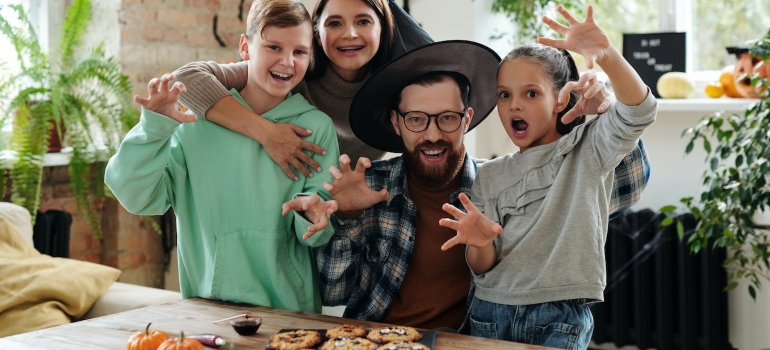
{"type": "Point", "coordinates": [86, 95]}
{"type": "Point", "coordinates": [526, 14]}
{"type": "Point", "coordinates": [736, 185]}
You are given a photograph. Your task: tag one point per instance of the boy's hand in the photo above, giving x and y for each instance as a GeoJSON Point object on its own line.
{"type": "Point", "coordinates": [595, 98]}
{"type": "Point", "coordinates": [163, 100]}
{"type": "Point", "coordinates": [350, 189]}
{"type": "Point", "coordinates": [313, 209]}
{"type": "Point", "coordinates": [473, 228]}
{"type": "Point", "coordinates": [585, 38]}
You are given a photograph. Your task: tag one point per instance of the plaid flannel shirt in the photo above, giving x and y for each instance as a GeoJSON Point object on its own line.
{"type": "Point", "coordinates": [631, 177]}
{"type": "Point", "coordinates": [363, 265]}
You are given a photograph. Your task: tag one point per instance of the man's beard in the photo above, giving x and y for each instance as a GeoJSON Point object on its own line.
{"type": "Point", "coordinates": [435, 175]}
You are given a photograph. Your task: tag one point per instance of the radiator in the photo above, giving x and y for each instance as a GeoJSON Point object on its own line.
{"type": "Point", "coordinates": [51, 234]}
{"type": "Point", "coordinates": [659, 295]}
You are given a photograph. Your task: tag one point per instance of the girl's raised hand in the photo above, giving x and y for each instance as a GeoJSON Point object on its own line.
{"type": "Point", "coordinates": [594, 97]}
{"type": "Point", "coordinates": [585, 38]}
{"type": "Point", "coordinates": [473, 228]}
{"type": "Point", "coordinates": [163, 100]}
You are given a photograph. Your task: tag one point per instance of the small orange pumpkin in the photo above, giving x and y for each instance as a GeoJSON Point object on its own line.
{"type": "Point", "coordinates": [181, 343]}
{"type": "Point", "coordinates": [147, 340]}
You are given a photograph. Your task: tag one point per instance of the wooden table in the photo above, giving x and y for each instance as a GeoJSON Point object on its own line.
{"type": "Point", "coordinates": [195, 316]}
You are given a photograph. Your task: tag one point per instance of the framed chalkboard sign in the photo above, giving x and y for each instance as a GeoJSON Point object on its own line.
{"type": "Point", "coordinates": [654, 54]}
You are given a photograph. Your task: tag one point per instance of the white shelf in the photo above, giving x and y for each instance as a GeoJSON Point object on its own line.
{"type": "Point", "coordinates": [705, 105]}
{"type": "Point", "coordinates": [50, 159]}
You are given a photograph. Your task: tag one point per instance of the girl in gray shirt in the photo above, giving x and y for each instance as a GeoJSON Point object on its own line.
{"type": "Point", "coordinates": [536, 227]}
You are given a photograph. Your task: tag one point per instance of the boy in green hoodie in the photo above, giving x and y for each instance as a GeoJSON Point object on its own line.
{"type": "Point", "coordinates": [235, 241]}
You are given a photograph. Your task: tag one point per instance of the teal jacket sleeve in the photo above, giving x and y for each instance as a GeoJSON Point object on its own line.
{"type": "Point", "coordinates": [142, 172]}
{"type": "Point", "coordinates": [325, 136]}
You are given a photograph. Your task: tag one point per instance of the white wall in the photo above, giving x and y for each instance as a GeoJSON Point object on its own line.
{"type": "Point", "coordinates": [102, 28]}
{"type": "Point", "coordinates": [749, 319]}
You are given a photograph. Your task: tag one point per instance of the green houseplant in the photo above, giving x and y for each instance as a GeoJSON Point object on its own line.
{"type": "Point", "coordinates": [736, 186]}
{"type": "Point", "coordinates": [85, 95]}
{"type": "Point", "coordinates": [526, 14]}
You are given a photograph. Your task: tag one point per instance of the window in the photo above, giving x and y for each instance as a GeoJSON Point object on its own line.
{"type": "Point", "coordinates": [716, 25]}
{"type": "Point", "coordinates": [9, 64]}
{"type": "Point", "coordinates": [7, 53]}
{"type": "Point", "coordinates": [711, 25]}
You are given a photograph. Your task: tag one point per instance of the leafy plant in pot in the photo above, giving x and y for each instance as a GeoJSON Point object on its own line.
{"type": "Point", "coordinates": [526, 14]}
{"type": "Point", "coordinates": [736, 186]}
{"type": "Point", "coordinates": [86, 95]}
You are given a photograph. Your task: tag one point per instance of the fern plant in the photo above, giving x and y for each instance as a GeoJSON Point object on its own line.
{"type": "Point", "coordinates": [87, 96]}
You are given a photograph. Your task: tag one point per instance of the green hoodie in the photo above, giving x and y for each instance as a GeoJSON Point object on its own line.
{"type": "Point", "coordinates": [226, 191]}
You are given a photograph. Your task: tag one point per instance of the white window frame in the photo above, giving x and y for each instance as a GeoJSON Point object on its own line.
{"type": "Point", "coordinates": [676, 16]}
{"type": "Point", "coordinates": [46, 16]}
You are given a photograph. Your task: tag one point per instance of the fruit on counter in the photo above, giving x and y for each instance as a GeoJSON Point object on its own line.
{"type": "Point", "coordinates": [147, 340]}
{"type": "Point", "coordinates": [727, 79]}
{"type": "Point", "coordinates": [714, 89]}
{"type": "Point", "coordinates": [675, 85]}
{"type": "Point", "coordinates": [181, 343]}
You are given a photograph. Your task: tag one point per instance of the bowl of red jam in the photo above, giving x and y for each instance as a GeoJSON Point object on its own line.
{"type": "Point", "coordinates": [246, 324]}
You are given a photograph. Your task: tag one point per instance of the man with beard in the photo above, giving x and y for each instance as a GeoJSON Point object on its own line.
{"type": "Point", "coordinates": [384, 261]}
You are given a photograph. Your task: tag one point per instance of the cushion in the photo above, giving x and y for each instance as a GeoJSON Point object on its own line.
{"type": "Point", "coordinates": [38, 291]}
{"type": "Point", "coordinates": [19, 217]}
{"type": "Point", "coordinates": [121, 297]}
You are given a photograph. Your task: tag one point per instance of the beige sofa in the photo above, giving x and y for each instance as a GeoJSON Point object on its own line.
{"type": "Point", "coordinates": [118, 297]}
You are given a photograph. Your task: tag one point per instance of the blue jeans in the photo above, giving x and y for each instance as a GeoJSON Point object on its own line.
{"type": "Point", "coordinates": [564, 324]}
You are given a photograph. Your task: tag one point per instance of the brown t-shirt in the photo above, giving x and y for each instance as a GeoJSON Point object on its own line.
{"type": "Point", "coordinates": [436, 284]}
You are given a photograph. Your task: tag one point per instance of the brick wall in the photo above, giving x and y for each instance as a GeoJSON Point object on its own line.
{"type": "Point", "coordinates": [129, 244]}
{"type": "Point", "coordinates": [159, 36]}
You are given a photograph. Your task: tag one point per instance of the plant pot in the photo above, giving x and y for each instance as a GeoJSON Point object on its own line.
{"type": "Point", "coordinates": [761, 218]}
{"type": "Point", "coordinates": [54, 141]}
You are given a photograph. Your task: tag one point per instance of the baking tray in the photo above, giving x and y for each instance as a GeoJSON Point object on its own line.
{"type": "Point", "coordinates": [428, 337]}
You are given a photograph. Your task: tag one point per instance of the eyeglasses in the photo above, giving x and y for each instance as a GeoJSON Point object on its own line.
{"type": "Point", "coordinates": [448, 121]}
